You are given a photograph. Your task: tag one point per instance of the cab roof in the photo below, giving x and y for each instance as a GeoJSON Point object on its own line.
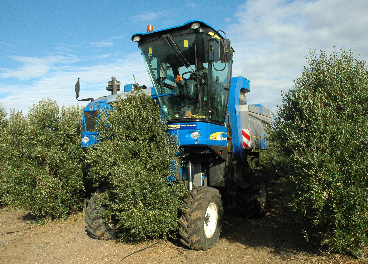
{"type": "Point", "coordinates": [183, 29]}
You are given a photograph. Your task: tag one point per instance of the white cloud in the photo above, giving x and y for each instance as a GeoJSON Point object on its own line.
{"type": "Point", "coordinates": [271, 40]}
{"type": "Point", "coordinates": [102, 44]}
{"type": "Point", "coordinates": [150, 16]}
{"type": "Point", "coordinates": [191, 5]}
{"type": "Point", "coordinates": [59, 84]}
{"type": "Point", "coordinates": [33, 67]}
{"type": "Point", "coordinates": [103, 57]}
{"type": "Point", "coordinates": [273, 37]}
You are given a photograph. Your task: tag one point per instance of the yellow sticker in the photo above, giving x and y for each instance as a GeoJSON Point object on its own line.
{"type": "Point", "coordinates": [186, 44]}
{"type": "Point", "coordinates": [174, 126]}
{"type": "Point", "coordinates": [218, 136]}
{"type": "Point", "coordinates": [197, 116]}
{"type": "Point", "coordinates": [213, 35]}
{"type": "Point", "coordinates": [150, 50]}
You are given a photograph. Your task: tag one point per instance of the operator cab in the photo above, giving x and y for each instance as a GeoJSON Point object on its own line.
{"type": "Point", "coordinates": [190, 69]}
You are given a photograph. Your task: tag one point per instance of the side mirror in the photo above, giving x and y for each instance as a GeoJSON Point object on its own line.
{"type": "Point", "coordinates": [226, 52]}
{"type": "Point", "coordinates": [221, 50]}
{"type": "Point", "coordinates": [77, 88]}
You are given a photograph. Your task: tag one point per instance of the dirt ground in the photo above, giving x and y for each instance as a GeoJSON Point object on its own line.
{"type": "Point", "coordinates": [273, 239]}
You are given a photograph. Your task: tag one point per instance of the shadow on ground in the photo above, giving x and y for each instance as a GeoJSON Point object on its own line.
{"type": "Point", "coordinates": [277, 231]}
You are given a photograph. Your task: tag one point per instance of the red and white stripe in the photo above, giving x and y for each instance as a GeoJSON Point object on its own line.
{"type": "Point", "coordinates": [246, 138]}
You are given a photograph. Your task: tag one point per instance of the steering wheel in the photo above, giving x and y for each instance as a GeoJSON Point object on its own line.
{"type": "Point", "coordinates": [161, 80]}
{"type": "Point", "coordinates": [195, 76]}
{"type": "Point", "coordinates": [194, 73]}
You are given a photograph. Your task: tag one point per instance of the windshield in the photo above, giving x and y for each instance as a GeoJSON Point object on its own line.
{"type": "Point", "coordinates": [89, 121]}
{"type": "Point", "coordinates": [191, 76]}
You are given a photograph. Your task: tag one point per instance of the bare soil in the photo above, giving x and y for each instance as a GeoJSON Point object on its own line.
{"type": "Point", "coordinates": [272, 239]}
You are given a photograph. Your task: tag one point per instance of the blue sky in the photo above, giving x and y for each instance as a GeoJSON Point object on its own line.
{"type": "Point", "coordinates": [46, 45]}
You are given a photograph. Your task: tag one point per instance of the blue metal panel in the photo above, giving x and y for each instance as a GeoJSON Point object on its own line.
{"type": "Point", "coordinates": [128, 87]}
{"type": "Point", "coordinates": [93, 138]}
{"type": "Point", "coordinates": [96, 105]}
{"type": "Point", "coordinates": [211, 134]}
{"type": "Point", "coordinates": [233, 113]}
{"type": "Point", "coordinates": [241, 83]}
{"type": "Point", "coordinates": [260, 108]}
{"type": "Point", "coordinates": [263, 141]}
{"type": "Point", "coordinates": [153, 91]}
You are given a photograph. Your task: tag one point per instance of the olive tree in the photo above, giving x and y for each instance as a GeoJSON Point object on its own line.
{"type": "Point", "coordinates": [320, 134]}
{"type": "Point", "coordinates": [131, 164]}
{"type": "Point", "coordinates": [42, 160]}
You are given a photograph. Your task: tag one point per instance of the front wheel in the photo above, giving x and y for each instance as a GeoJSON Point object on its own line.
{"type": "Point", "coordinates": [201, 224]}
{"type": "Point", "coordinates": [96, 227]}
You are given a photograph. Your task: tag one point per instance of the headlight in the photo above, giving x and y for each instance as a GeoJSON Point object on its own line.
{"type": "Point", "coordinates": [85, 139]}
{"type": "Point", "coordinates": [195, 26]}
{"type": "Point", "coordinates": [195, 135]}
{"type": "Point", "coordinates": [136, 38]}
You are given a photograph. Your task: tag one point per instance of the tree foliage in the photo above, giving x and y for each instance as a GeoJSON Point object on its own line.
{"type": "Point", "coordinates": [131, 163]}
{"type": "Point", "coordinates": [42, 160]}
{"type": "Point", "coordinates": [13, 130]}
{"type": "Point", "coordinates": [320, 135]}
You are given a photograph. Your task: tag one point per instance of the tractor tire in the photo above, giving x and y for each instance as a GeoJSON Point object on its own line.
{"type": "Point", "coordinates": [96, 227]}
{"type": "Point", "coordinates": [200, 226]}
{"type": "Point", "coordinates": [251, 202]}
{"type": "Point", "coordinates": [259, 200]}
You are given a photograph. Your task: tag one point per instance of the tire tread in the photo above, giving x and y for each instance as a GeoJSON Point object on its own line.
{"type": "Point", "coordinates": [191, 231]}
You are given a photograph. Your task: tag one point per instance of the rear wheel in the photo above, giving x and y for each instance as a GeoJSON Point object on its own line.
{"type": "Point", "coordinates": [251, 202]}
{"type": "Point", "coordinates": [96, 227]}
{"type": "Point", "coordinates": [258, 199]}
{"type": "Point", "coordinates": [201, 224]}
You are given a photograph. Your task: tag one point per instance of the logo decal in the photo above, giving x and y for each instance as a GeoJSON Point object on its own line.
{"type": "Point", "coordinates": [219, 136]}
{"type": "Point", "coordinates": [185, 126]}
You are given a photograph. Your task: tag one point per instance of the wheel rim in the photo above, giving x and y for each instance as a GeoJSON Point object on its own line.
{"type": "Point", "coordinates": [210, 222]}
